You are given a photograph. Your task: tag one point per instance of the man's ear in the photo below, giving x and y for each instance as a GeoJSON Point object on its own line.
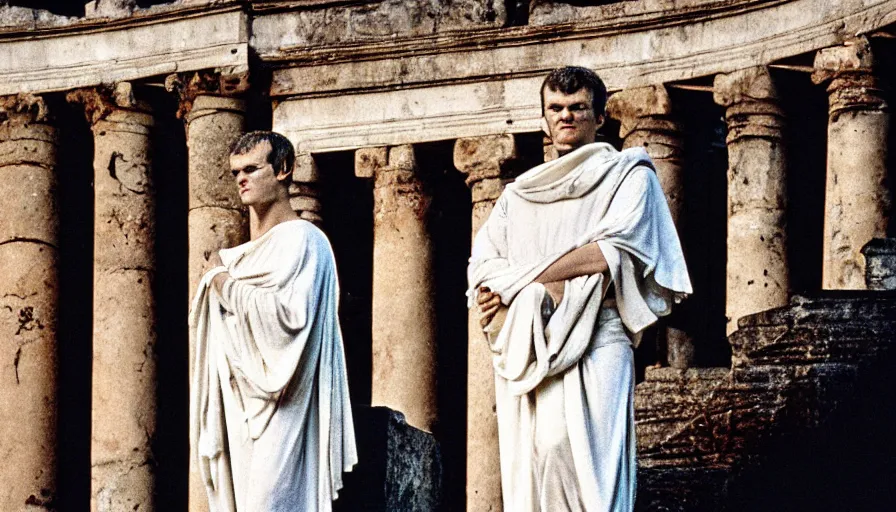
{"type": "Point", "coordinates": [600, 120]}
{"type": "Point", "coordinates": [284, 173]}
{"type": "Point", "coordinates": [545, 128]}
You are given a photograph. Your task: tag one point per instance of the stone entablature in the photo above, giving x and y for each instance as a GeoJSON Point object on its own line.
{"type": "Point", "coordinates": [485, 81]}
{"type": "Point", "coordinates": [45, 53]}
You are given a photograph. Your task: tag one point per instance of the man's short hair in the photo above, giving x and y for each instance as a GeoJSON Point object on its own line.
{"type": "Point", "coordinates": [281, 157]}
{"type": "Point", "coordinates": [570, 79]}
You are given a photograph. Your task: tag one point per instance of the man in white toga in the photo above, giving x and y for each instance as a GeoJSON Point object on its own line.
{"type": "Point", "coordinates": [271, 423]}
{"type": "Point", "coordinates": [577, 258]}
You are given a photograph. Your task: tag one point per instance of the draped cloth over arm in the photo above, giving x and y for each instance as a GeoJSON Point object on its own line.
{"type": "Point", "coordinates": [271, 422]}
{"type": "Point", "coordinates": [594, 194]}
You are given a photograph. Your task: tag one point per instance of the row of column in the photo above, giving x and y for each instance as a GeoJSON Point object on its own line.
{"type": "Point", "coordinates": [124, 370]}
{"type": "Point", "coordinates": [757, 270]}
{"type": "Point", "coordinates": [404, 360]}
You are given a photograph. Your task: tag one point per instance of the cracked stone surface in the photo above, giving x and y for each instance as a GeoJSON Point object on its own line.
{"type": "Point", "coordinates": [28, 306]}
{"type": "Point", "coordinates": [124, 354]}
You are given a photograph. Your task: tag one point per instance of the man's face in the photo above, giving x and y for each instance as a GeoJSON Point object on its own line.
{"type": "Point", "coordinates": [255, 177]}
{"type": "Point", "coordinates": [569, 119]}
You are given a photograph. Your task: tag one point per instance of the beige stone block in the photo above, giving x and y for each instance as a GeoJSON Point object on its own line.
{"type": "Point", "coordinates": [483, 157]}
{"type": "Point", "coordinates": [368, 160]}
{"type": "Point", "coordinates": [305, 170]}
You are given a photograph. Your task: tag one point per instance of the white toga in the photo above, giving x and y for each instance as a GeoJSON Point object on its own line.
{"type": "Point", "coordinates": [564, 377]}
{"type": "Point", "coordinates": [271, 422]}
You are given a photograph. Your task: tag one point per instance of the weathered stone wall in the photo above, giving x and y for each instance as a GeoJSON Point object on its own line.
{"type": "Point", "coordinates": [374, 20]}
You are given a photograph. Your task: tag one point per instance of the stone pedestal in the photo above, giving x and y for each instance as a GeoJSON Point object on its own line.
{"type": "Point", "coordinates": [482, 160]}
{"type": "Point", "coordinates": [404, 337]}
{"type": "Point", "coordinates": [215, 117]}
{"type": "Point", "coordinates": [29, 221]}
{"type": "Point", "coordinates": [124, 322]}
{"type": "Point", "coordinates": [757, 274]}
{"type": "Point", "coordinates": [857, 201]}
{"type": "Point", "coordinates": [645, 116]}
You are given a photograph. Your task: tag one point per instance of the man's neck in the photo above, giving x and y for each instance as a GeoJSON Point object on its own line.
{"type": "Point", "coordinates": [264, 217]}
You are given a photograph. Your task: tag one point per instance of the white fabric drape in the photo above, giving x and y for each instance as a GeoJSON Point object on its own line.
{"type": "Point", "coordinates": [594, 194]}
{"type": "Point", "coordinates": [271, 421]}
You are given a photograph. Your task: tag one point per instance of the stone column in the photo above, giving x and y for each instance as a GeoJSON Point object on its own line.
{"type": "Point", "coordinates": [404, 334]}
{"type": "Point", "coordinates": [304, 195]}
{"type": "Point", "coordinates": [857, 201]}
{"type": "Point", "coordinates": [211, 104]}
{"type": "Point", "coordinates": [757, 271]}
{"type": "Point", "coordinates": [29, 222]}
{"type": "Point", "coordinates": [124, 330]}
{"type": "Point", "coordinates": [645, 116]}
{"type": "Point", "coordinates": [482, 160]}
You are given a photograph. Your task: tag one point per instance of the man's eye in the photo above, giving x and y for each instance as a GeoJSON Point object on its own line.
{"type": "Point", "coordinates": [555, 108]}
{"type": "Point", "coordinates": [234, 173]}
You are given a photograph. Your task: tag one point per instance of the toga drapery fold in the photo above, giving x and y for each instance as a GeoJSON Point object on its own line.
{"type": "Point", "coordinates": [594, 194]}
{"type": "Point", "coordinates": [271, 422]}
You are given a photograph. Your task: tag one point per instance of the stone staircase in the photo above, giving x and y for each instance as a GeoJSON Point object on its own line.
{"type": "Point", "coordinates": [720, 438]}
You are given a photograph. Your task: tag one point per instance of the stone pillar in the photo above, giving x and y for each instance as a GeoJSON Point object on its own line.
{"type": "Point", "coordinates": [211, 104]}
{"type": "Point", "coordinates": [124, 330]}
{"type": "Point", "coordinates": [857, 201]}
{"type": "Point", "coordinates": [482, 160]}
{"type": "Point", "coordinates": [304, 195]}
{"type": "Point", "coordinates": [29, 222]}
{"type": "Point", "coordinates": [404, 334]}
{"type": "Point", "coordinates": [215, 116]}
{"type": "Point", "coordinates": [757, 274]}
{"type": "Point", "coordinates": [645, 116]}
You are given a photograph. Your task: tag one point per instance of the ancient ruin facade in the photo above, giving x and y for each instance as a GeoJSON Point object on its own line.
{"type": "Point", "coordinates": [768, 121]}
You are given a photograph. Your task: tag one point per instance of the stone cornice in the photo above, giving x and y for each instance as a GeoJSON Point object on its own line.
{"type": "Point", "coordinates": [697, 11]}
{"type": "Point", "coordinates": [90, 52]}
{"type": "Point", "coordinates": [54, 26]}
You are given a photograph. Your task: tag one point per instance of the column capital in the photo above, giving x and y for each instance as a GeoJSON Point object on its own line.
{"type": "Point", "coordinates": [101, 101]}
{"type": "Point", "coordinates": [303, 191]}
{"type": "Point", "coordinates": [848, 71]}
{"type": "Point", "coordinates": [751, 101]}
{"type": "Point", "coordinates": [485, 161]}
{"type": "Point", "coordinates": [28, 107]}
{"type": "Point", "coordinates": [634, 108]}
{"type": "Point", "coordinates": [229, 82]}
{"type": "Point", "coordinates": [370, 162]}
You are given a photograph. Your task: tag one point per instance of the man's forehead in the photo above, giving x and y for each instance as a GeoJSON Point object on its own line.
{"type": "Point", "coordinates": [258, 153]}
{"type": "Point", "coordinates": [552, 96]}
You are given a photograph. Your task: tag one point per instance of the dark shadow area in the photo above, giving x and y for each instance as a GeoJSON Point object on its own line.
{"type": "Point", "coordinates": [848, 463]}
{"type": "Point", "coordinates": [61, 7]}
{"type": "Point", "coordinates": [169, 167]}
{"type": "Point", "coordinates": [805, 134]}
{"type": "Point", "coordinates": [348, 223]}
{"type": "Point", "coordinates": [704, 217]}
{"type": "Point", "coordinates": [449, 226]}
{"type": "Point", "coordinates": [74, 173]}
{"type": "Point", "coordinates": [885, 56]}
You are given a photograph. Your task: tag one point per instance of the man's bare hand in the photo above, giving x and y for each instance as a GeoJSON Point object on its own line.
{"type": "Point", "coordinates": [489, 302]}
{"type": "Point", "coordinates": [555, 290]}
{"type": "Point", "coordinates": [214, 260]}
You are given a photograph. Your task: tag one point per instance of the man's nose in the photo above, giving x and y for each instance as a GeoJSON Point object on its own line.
{"type": "Point", "coordinates": [566, 114]}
